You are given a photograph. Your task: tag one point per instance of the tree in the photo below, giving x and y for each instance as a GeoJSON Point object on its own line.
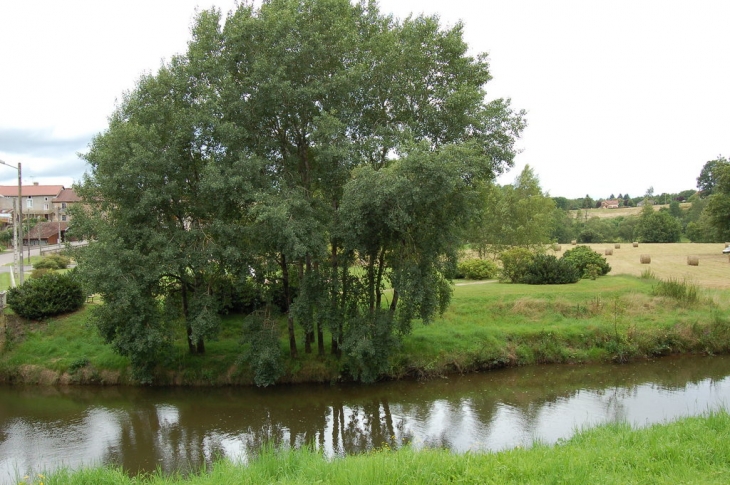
{"type": "Point", "coordinates": [588, 203]}
{"type": "Point", "coordinates": [718, 203]}
{"type": "Point", "coordinates": [288, 144]}
{"type": "Point", "coordinates": [514, 215]}
{"type": "Point", "coordinates": [658, 226]}
{"type": "Point", "coordinates": [710, 174]}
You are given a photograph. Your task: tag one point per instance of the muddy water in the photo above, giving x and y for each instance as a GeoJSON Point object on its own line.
{"type": "Point", "coordinates": [142, 429]}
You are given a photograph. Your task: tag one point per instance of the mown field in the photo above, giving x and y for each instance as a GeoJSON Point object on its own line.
{"type": "Point", "coordinates": [669, 261]}
{"type": "Point", "coordinates": [621, 211]}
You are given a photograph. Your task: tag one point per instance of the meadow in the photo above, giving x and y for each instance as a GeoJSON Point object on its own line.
{"type": "Point", "coordinates": [616, 318]}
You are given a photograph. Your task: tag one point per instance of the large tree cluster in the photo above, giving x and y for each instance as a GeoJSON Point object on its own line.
{"type": "Point", "coordinates": [316, 147]}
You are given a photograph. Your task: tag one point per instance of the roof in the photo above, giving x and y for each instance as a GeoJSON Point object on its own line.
{"type": "Point", "coordinates": [47, 229]}
{"type": "Point", "coordinates": [31, 190]}
{"type": "Point", "coordinates": [67, 195]}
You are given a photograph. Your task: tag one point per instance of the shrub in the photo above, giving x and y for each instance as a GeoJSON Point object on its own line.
{"type": "Point", "coordinates": [515, 262]}
{"type": "Point", "coordinates": [477, 269]}
{"type": "Point", "coordinates": [546, 269]}
{"type": "Point", "coordinates": [264, 354]}
{"type": "Point", "coordinates": [51, 294]}
{"type": "Point", "coordinates": [54, 261]}
{"type": "Point", "coordinates": [38, 272]}
{"type": "Point", "coordinates": [686, 293]}
{"type": "Point", "coordinates": [583, 256]}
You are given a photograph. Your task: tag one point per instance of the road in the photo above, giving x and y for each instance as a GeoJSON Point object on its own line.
{"type": "Point", "coordinates": [6, 258]}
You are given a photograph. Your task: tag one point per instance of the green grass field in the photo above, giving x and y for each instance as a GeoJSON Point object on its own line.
{"type": "Point", "coordinates": [488, 325]}
{"type": "Point", "coordinates": [689, 451]}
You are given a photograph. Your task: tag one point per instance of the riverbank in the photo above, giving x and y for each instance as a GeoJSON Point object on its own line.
{"type": "Point", "coordinates": [691, 450]}
{"type": "Point", "coordinates": [610, 319]}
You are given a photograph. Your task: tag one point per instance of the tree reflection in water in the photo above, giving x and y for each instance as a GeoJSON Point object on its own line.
{"type": "Point", "coordinates": [183, 429]}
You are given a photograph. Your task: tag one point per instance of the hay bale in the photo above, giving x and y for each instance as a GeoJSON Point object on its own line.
{"type": "Point", "coordinates": [573, 242]}
{"type": "Point", "coordinates": [557, 247]}
{"type": "Point", "coordinates": [635, 244]}
{"type": "Point", "coordinates": [645, 259]}
{"type": "Point", "coordinates": [609, 252]}
{"type": "Point", "coordinates": [693, 260]}
{"type": "Point", "coordinates": [727, 244]}
{"type": "Point", "coordinates": [617, 246]}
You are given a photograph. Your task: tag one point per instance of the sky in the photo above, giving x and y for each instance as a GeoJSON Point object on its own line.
{"type": "Point", "coordinates": [621, 95]}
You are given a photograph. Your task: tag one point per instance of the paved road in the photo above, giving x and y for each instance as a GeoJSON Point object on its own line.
{"type": "Point", "coordinates": [7, 260]}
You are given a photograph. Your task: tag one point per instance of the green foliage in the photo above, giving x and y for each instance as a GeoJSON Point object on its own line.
{"type": "Point", "coordinates": [513, 215]}
{"type": "Point", "coordinates": [546, 269]}
{"type": "Point", "coordinates": [588, 262]}
{"type": "Point", "coordinates": [263, 353]}
{"type": "Point", "coordinates": [38, 272]}
{"type": "Point", "coordinates": [477, 269]}
{"type": "Point", "coordinates": [515, 262]}
{"type": "Point", "coordinates": [49, 295]}
{"type": "Point", "coordinates": [685, 292]}
{"type": "Point", "coordinates": [205, 177]}
{"type": "Point", "coordinates": [710, 175]}
{"type": "Point", "coordinates": [658, 226]}
{"type": "Point", "coordinates": [368, 345]}
{"type": "Point", "coordinates": [54, 261]}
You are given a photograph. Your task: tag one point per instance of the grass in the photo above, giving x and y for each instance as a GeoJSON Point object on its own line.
{"type": "Point", "coordinates": [690, 451]}
{"type": "Point", "coordinates": [619, 317]}
{"type": "Point", "coordinates": [670, 261]}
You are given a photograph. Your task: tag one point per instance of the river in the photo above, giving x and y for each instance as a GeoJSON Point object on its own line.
{"type": "Point", "coordinates": [181, 429]}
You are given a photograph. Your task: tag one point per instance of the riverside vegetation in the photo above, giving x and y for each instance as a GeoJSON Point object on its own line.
{"type": "Point", "coordinates": [691, 450]}
{"type": "Point", "coordinates": [488, 325]}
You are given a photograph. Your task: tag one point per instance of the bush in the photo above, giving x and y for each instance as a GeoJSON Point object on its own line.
{"type": "Point", "coordinates": [589, 263]}
{"type": "Point", "coordinates": [38, 272]}
{"type": "Point", "coordinates": [477, 269]}
{"type": "Point", "coordinates": [546, 269]}
{"type": "Point", "coordinates": [51, 294]}
{"type": "Point", "coordinates": [54, 261]}
{"type": "Point", "coordinates": [515, 262]}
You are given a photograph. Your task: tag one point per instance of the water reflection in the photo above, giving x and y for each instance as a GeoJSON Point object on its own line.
{"type": "Point", "coordinates": [182, 429]}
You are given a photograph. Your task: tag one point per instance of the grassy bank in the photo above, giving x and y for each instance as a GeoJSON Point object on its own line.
{"type": "Point", "coordinates": [692, 450]}
{"type": "Point", "coordinates": [488, 325]}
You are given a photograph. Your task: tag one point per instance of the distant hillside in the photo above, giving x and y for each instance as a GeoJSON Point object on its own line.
{"type": "Point", "coordinates": [622, 211]}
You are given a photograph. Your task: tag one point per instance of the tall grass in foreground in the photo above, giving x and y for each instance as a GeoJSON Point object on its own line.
{"type": "Point", "coordinates": [685, 292]}
{"type": "Point", "coordinates": [692, 450]}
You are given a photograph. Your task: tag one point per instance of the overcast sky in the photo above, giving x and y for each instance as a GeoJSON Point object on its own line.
{"type": "Point", "coordinates": [620, 95]}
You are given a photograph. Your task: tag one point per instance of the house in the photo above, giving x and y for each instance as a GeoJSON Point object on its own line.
{"type": "Point", "coordinates": [610, 204]}
{"type": "Point", "coordinates": [37, 200]}
{"type": "Point", "coordinates": [63, 201]}
{"type": "Point", "coordinates": [46, 233]}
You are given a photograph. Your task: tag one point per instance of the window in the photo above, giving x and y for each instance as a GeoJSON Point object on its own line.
{"type": "Point", "coordinates": [63, 205]}
{"type": "Point", "coordinates": [45, 206]}
{"type": "Point", "coordinates": [63, 218]}
{"type": "Point", "coordinates": [29, 203]}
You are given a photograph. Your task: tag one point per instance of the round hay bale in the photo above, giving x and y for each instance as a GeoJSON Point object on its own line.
{"type": "Point", "coordinates": [645, 259]}
{"type": "Point", "coordinates": [635, 244]}
{"type": "Point", "coordinates": [573, 242]}
{"type": "Point", "coordinates": [693, 260]}
{"type": "Point", "coordinates": [609, 252]}
{"type": "Point", "coordinates": [617, 246]}
{"type": "Point", "coordinates": [727, 244]}
{"type": "Point", "coordinates": [557, 247]}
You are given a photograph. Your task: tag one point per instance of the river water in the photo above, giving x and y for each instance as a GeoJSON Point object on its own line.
{"type": "Point", "coordinates": [182, 429]}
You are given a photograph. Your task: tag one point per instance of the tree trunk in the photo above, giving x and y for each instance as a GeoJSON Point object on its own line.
{"type": "Point", "coordinates": [188, 328]}
{"type": "Point", "coordinates": [287, 297]}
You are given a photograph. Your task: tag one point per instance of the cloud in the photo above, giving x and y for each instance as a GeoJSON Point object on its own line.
{"type": "Point", "coordinates": [40, 142]}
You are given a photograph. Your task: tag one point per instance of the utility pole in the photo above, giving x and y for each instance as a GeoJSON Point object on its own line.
{"type": "Point", "coordinates": [19, 224]}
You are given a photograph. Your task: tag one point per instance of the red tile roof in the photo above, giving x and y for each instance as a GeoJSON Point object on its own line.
{"type": "Point", "coordinates": [46, 229]}
{"type": "Point", "coordinates": [67, 195]}
{"type": "Point", "coordinates": [31, 190]}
